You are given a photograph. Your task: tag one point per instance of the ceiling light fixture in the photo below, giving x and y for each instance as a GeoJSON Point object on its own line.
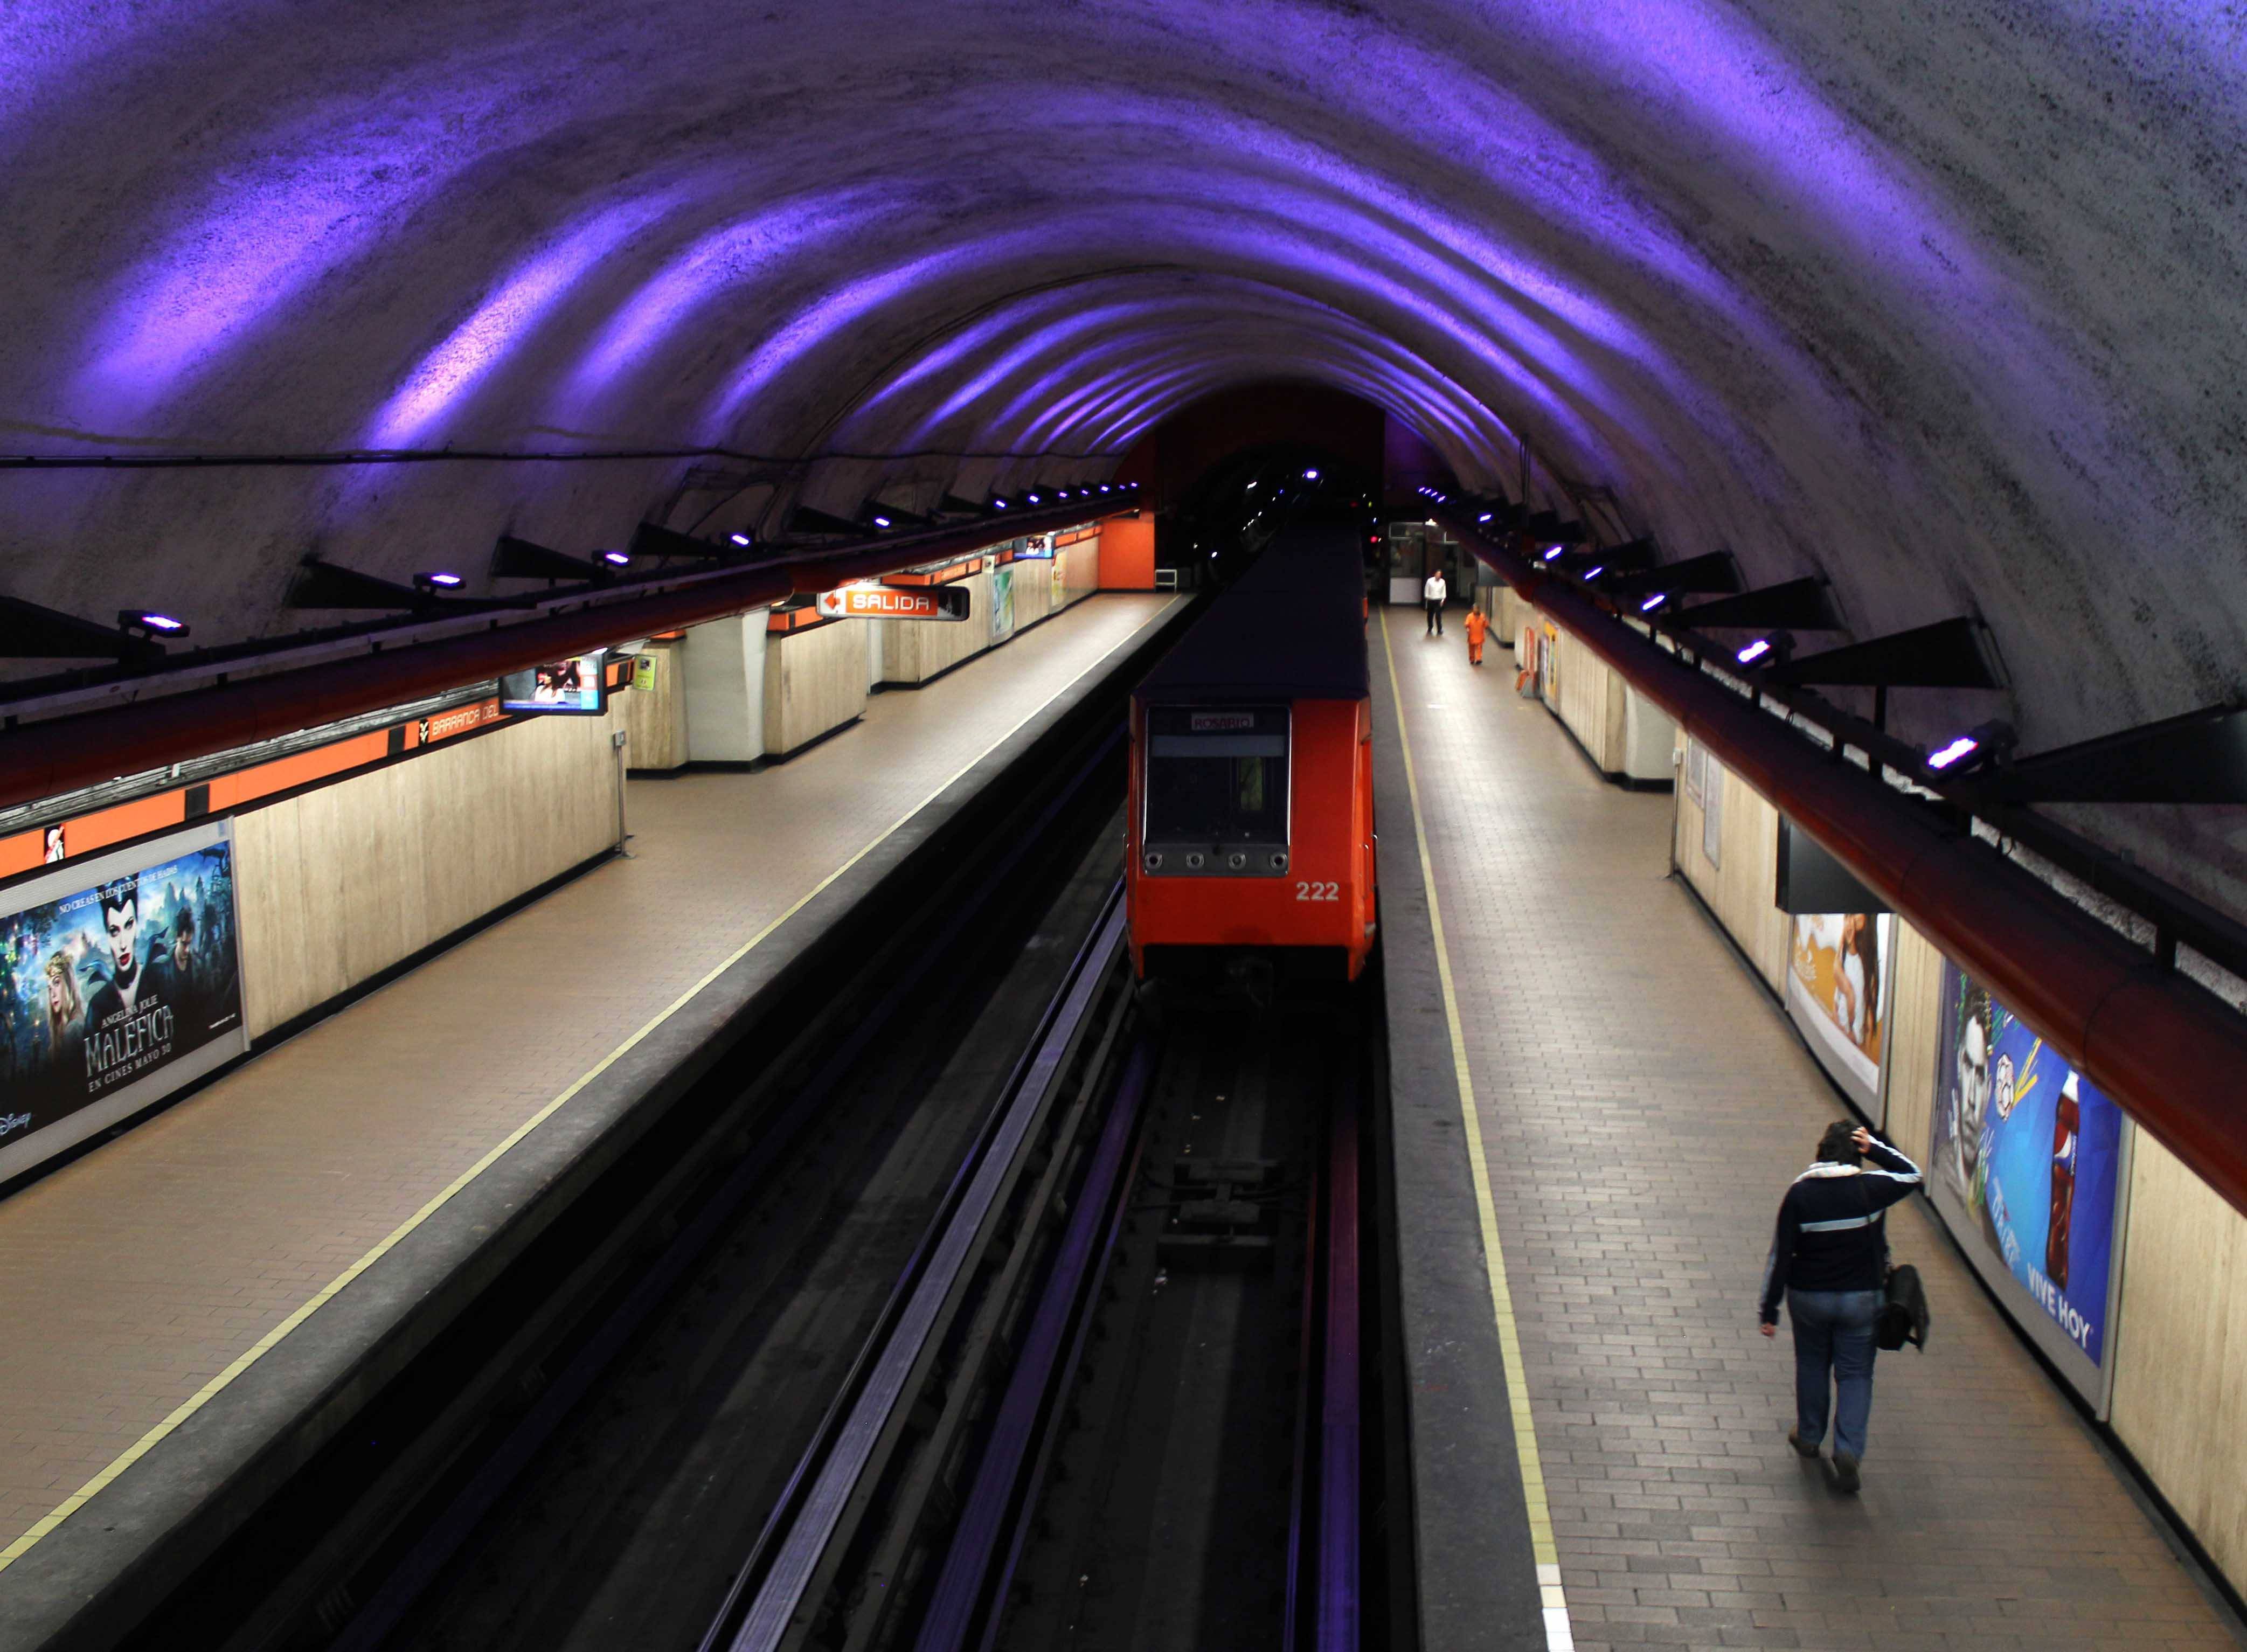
{"type": "Point", "coordinates": [148, 622]}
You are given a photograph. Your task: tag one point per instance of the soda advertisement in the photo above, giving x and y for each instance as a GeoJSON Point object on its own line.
{"type": "Point", "coordinates": [2028, 1165]}
{"type": "Point", "coordinates": [121, 983]}
{"type": "Point", "coordinates": [1837, 994]}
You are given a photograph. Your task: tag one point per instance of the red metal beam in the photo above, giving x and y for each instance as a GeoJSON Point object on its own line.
{"type": "Point", "coordinates": [2169, 1052]}
{"type": "Point", "coordinates": [60, 754]}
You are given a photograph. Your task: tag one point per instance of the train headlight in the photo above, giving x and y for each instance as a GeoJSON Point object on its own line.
{"type": "Point", "coordinates": [1152, 861]}
{"type": "Point", "coordinates": [1280, 861]}
{"type": "Point", "coordinates": [1194, 861]}
{"type": "Point", "coordinates": [1236, 861]}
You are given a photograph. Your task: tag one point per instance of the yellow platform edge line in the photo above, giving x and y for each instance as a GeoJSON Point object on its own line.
{"type": "Point", "coordinates": [272, 1339]}
{"type": "Point", "coordinates": [1542, 1546]}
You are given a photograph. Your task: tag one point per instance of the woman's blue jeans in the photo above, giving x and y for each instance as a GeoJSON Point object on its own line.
{"type": "Point", "coordinates": [1834, 1334]}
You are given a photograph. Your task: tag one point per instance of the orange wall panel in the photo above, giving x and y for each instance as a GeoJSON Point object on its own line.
{"type": "Point", "coordinates": [1127, 553]}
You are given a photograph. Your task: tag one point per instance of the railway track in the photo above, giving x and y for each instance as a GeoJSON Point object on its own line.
{"type": "Point", "coordinates": [1132, 1411]}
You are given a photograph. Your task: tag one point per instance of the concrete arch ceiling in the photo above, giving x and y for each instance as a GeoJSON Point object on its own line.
{"type": "Point", "coordinates": [1946, 302]}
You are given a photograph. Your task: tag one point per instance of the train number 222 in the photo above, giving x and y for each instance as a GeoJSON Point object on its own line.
{"type": "Point", "coordinates": [1315, 890]}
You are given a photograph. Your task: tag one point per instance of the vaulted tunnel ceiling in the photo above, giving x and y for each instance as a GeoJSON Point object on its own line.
{"type": "Point", "coordinates": [1948, 302]}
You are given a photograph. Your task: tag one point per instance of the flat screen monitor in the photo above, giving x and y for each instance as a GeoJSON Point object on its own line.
{"type": "Point", "coordinates": [572, 687]}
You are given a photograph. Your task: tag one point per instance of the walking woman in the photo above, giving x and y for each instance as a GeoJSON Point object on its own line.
{"type": "Point", "coordinates": [1827, 1259]}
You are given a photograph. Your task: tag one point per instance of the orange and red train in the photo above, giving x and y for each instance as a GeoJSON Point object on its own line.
{"type": "Point", "coordinates": [1250, 841]}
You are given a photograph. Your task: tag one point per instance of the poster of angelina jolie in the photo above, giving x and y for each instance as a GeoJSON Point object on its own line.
{"type": "Point", "coordinates": [2028, 1163]}
{"type": "Point", "coordinates": [118, 983]}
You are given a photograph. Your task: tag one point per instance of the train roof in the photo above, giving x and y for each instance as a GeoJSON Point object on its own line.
{"type": "Point", "coordinates": [1291, 627]}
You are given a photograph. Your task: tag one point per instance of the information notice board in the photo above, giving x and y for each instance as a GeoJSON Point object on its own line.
{"type": "Point", "coordinates": [120, 981]}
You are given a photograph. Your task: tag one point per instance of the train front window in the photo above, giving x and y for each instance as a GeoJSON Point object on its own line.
{"type": "Point", "coordinates": [1217, 776]}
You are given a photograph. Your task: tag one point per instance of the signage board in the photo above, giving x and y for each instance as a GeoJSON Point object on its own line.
{"type": "Point", "coordinates": [120, 981]}
{"type": "Point", "coordinates": [895, 602]}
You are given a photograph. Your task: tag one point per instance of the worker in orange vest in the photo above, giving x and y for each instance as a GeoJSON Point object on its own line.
{"type": "Point", "coordinates": [1478, 628]}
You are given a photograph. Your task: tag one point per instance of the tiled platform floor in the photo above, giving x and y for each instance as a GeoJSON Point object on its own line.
{"type": "Point", "coordinates": [1644, 1104]}
{"type": "Point", "coordinates": [140, 1272]}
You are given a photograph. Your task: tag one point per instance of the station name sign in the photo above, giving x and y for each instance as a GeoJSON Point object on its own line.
{"type": "Point", "coordinates": [895, 602]}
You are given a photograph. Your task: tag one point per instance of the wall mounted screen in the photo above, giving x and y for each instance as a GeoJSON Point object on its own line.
{"type": "Point", "coordinates": [575, 687]}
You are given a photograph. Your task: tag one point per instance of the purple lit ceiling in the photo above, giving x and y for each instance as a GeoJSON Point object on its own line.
{"type": "Point", "coordinates": [1948, 302]}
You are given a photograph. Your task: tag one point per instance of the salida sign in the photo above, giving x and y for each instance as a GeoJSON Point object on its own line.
{"type": "Point", "coordinates": [895, 602]}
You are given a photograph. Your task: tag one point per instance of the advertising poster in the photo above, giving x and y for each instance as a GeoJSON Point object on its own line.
{"type": "Point", "coordinates": [1837, 992]}
{"type": "Point", "coordinates": [121, 983]}
{"type": "Point", "coordinates": [2028, 1167]}
{"type": "Point", "coordinates": [1002, 603]}
{"type": "Point", "coordinates": [1058, 569]}
{"type": "Point", "coordinates": [1712, 809]}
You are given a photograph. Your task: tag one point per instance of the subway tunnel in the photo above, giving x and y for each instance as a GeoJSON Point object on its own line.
{"type": "Point", "coordinates": [1944, 306]}
{"type": "Point", "coordinates": [1940, 308]}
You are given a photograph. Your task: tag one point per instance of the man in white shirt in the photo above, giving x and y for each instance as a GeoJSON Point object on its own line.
{"type": "Point", "coordinates": [1432, 596]}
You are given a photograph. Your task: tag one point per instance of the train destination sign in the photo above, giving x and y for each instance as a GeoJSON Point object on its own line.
{"type": "Point", "coordinates": [895, 602]}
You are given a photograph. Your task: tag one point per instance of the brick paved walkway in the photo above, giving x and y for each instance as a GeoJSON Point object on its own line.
{"type": "Point", "coordinates": [142, 1271]}
{"type": "Point", "coordinates": [1644, 1103]}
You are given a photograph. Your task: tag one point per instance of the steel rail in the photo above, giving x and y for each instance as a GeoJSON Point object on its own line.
{"type": "Point", "coordinates": [769, 1593]}
{"type": "Point", "coordinates": [2170, 1053]}
{"type": "Point", "coordinates": [1340, 1392]}
{"type": "Point", "coordinates": [1302, 1512]}
{"type": "Point", "coordinates": [971, 1588]}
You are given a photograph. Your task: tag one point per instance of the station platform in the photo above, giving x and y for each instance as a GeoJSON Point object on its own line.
{"type": "Point", "coordinates": [215, 1280]}
{"type": "Point", "coordinates": [1596, 1109]}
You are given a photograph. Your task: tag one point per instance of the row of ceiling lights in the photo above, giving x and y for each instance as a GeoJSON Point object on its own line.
{"type": "Point", "coordinates": [1986, 742]}
{"type": "Point", "coordinates": [141, 631]}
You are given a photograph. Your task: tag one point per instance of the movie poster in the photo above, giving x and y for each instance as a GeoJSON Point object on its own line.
{"type": "Point", "coordinates": [1837, 992]}
{"type": "Point", "coordinates": [1002, 603]}
{"type": "Point", "coordinates": [121, 983]}
{"type": "Point", "coordinates": [2027, 1163]}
